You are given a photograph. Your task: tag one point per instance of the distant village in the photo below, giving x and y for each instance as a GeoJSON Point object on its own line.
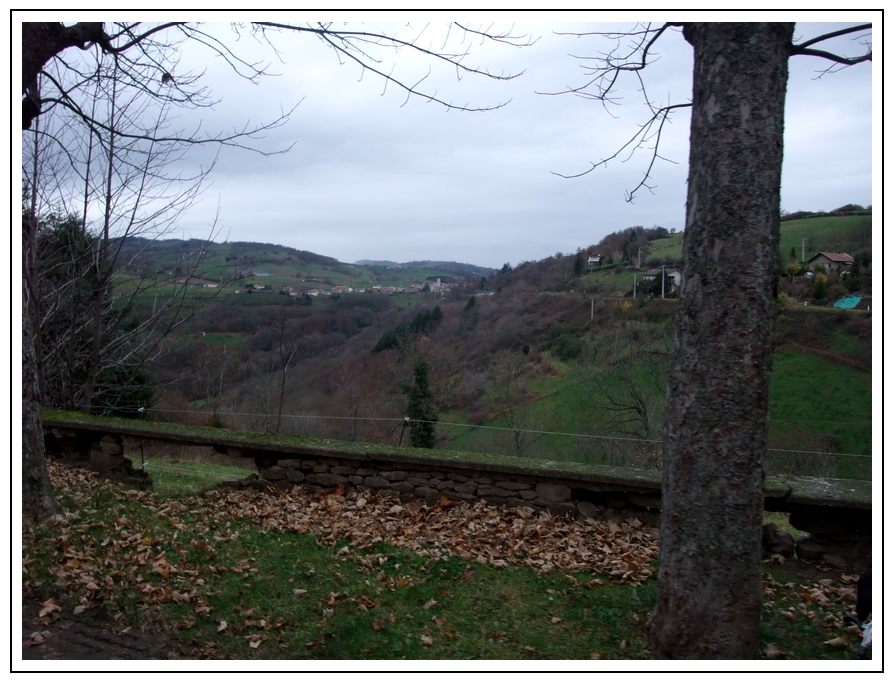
{"type": "Point", "coordinates": [436, 287]}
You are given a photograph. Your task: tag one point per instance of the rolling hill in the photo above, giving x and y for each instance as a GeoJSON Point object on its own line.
{"type": "Point", "coordinates": [842, 233]}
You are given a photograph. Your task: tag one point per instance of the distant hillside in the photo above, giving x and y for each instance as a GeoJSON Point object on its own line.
{"type": "Point", "coordinates": [151, 256]}
{"type": "Point", "coordinates": [461, 269]}
{"type": "Point", "coordinates": [277, 270]}
{"type": "Point", "coordinates": [850, 233]}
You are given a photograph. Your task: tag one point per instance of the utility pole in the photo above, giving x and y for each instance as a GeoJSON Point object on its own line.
{"type": "Point", "coordinates": [803, 249]}
{"type": "Point", "coordinates": [663, 280]}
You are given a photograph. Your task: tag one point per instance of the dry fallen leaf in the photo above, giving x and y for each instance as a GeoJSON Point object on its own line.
{"type": "Point", "coordinates": [837, 642]}
{"type": "Point", "coordinates": [48, 607]}
{"type": "Point", "coordinates": [774, 652]}
{"type": "Point", "coordinates": [38, 637]}
{"type": "Point", "coordinates": [426, 640]}
{"type": "Point", "coordinates": [430, 604]}
{"type": "Point", "coordinates": [555, 620]}
{"type": "Point", "coordinates": [222, 626]}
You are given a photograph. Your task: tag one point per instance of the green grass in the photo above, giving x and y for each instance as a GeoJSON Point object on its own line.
{"type": "Point", "coordinates": [816, 404]}
{"type": "Point", "coordinates": [210, 584]}
{"type": "Point", "coordinates": [825, 405]}
{"type": "Point", "coordinates": [823, 233]}
{"type": "Point", "coordinates": [172, 477]}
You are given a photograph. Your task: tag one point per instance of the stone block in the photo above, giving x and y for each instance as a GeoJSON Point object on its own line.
{"type": "Point", "coordinates": [321, 468]}
{"type": "Point", "coordinates": [563, 509]}
{"type": "Point", "coordinates": [513, 485]}
{"type": "Point", "coordinates": [376, 482]}
{"type": "Point", "coordinates": [553, 493]}
{"type": "Point", "coordinates": [527, 495]}
{"type": "Point", "coordinates": [326, 479]}
{"type": "Point", "coordinates": [493, 491]}
{"type": "Point", "coordinates": [395, 475]}
{"type": "Point", "coordinates": [588, 510]}
{"type": "Point", "coordinates": [467, 487]}
{"type": "Point", "coordinates": [429, 494]}
{"type": "Point", "coordinates": [343, 470]}
{"type": "Point", "coordinates": [295, 476]}
{"type": "Point", "coordinates": [275, 473]}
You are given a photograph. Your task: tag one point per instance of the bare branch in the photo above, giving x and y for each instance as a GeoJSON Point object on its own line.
{"type": "Point", "coordinates": [354, 46]}
{"type": "Point", "coordinates": [839, 59]}
{"type": "Point", "coordinates": [798, 49]}
{"type": "Point", "coordinates": [645, 137]}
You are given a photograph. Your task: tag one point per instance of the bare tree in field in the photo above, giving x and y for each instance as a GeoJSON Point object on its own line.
{"type": "Point", "coordinates": [146, 58]}
{"type": "Point", "coordinates": [716, 421]}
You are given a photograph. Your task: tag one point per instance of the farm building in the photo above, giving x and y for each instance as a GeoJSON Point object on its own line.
{"type": "Point", "coordinates": [831, 260]}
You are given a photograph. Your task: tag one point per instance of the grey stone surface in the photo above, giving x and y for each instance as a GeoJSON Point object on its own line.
{"type": "Point", "coordinates": [553, 493]}
{"type": "Point", "coordinates": [326, 479]}
{"type": "Point", "coordinates": [295, 476]}
{"type": "Point", "coordinates": [274, 473]}
{"type": "Point", "coordinates": [513, 485]}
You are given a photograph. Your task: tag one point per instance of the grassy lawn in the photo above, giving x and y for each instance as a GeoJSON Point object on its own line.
{"type": "Point", "coordinates": [823, 406]}
{"type": "Point", "coordinates": [251, 575]}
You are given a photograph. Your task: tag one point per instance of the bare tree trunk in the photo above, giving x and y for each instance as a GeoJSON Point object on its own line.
{"type": "Point", "coordinates": [38, 500]}
{"type": "Point", "coordinates": [716, 416]}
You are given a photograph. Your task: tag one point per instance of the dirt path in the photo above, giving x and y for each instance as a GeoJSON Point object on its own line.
{"type": "Point", "coordinates": [86, 636]}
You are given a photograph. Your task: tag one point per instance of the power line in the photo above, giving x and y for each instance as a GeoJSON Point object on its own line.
{"type": "Point", "coordinates": [515, 430]}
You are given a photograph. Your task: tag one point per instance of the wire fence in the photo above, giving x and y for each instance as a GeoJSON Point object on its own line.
{"type": "Point", "coordinates": [534, 442]}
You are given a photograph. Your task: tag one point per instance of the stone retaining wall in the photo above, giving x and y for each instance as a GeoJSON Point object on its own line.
{"type": "Point", "coordinates": [102, 453]}
{"type": "Point", "coordinates": [559, 496]}
{"type": "Point", "coordinates": [836, 513]}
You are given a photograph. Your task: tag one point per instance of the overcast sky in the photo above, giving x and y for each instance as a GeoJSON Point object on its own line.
{"type": "Point", "coordinates": [368, 178]}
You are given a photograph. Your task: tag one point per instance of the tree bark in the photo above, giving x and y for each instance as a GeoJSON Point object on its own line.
{"type": "Point", "coordinates": [38, 500]}
{"type": "Point", "coordinates": [709, 577]}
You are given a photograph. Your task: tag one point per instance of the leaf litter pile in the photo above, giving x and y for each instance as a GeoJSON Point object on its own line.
{"type": "Point", "coordinates": [147, 551]}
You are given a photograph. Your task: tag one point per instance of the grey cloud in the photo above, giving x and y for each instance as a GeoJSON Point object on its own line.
{"type": "Point", "coordinates": [369, 178]}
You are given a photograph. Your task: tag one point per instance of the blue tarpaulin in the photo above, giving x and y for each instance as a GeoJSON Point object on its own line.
{"type": "Point", "coordinates": [847, 302]}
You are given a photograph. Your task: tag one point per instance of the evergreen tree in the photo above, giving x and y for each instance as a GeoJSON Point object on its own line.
{"type": "Point", "coordinates": [421, 409]}
{"type": "Point", "coordinates": [579, 263]}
